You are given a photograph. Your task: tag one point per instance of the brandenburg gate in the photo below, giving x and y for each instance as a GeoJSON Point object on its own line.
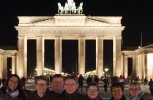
{"type": "Point", "coordinates": [69, 27]}
{"type": "Point", "coordinates": [70, 24]}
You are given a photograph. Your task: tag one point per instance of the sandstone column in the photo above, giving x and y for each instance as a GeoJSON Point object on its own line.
{"type": "Point", "coordinates": [13, 65]}
{"type": "Point", "coordinates": [134, 64]}
{"type": "Point", "coordinates": [117, 68]}
{"type": "Point", "coordinates": [4, 67]}
{"type": "Point", "coordinates": [99, 56]}
{"type": "Point", "coordinates": [40, 55]}
{"type": "Point", "coordinates": [136, 67]}
{"type": "Point", "coordinates": [58, 54]}
{"type": "Point", "coordinates": [139, 66]}
{"type": "Point", "coordinates": [1, 65]}
{"type": "Point", "coordinates": [145, 65]}
{"type": "Point", "coordinates": [81, 59]}
{"type": "Point", "coordinates": [125, 67]}
{"type": "Point", "coordinates": [22, 57]}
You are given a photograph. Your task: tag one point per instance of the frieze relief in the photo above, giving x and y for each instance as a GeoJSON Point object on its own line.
{"type": "Point", "coordinates": [73, 31]}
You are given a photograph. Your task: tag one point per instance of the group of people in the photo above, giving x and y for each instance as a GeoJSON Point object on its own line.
{"type": "Point", "coordinates": [65, 88]}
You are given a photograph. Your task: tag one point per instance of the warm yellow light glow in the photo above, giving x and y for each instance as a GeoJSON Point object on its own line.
{"type": "Point", "coordinates": [106, 69]}
{"type": "Point", "coordinates": [90, 73]}
{"type": "Point", "coordinates": [150, 65]}
{"type": "Point", "coordinates": [20, 73]}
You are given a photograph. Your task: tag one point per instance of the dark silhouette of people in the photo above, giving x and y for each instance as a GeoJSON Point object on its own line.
{"type": "Point", "coordinates": [89, 79]}
{"type": "Point", "coordinates": [80, 81]}
{"type": "Point", "coordinates": [23, 81]}
{"type": "Point", "coordinates": [151, 86]}
{"type": "Point", "coordinates": [105, 84]}
{"type": "Point", "coordinates": [96, 79]}
{"type": "Point", "coordinates": [145, 81]}
{"type": "Point", "coordinates": [3, 81]}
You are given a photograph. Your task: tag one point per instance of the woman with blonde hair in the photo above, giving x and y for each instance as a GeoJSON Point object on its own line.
{"type": "Point", "coordinates": [136, 93]}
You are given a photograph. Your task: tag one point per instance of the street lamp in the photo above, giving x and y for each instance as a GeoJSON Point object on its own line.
{"type": "Point", "coordinates": [106, 70]}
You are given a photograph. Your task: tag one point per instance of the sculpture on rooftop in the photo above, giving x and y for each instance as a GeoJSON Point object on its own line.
{"type": "Point", "coordinates": [60, 8]}
{"type": "Point", "coordinates": [80, 8]}
{"type": "Point", "coordinates": [70, 8]}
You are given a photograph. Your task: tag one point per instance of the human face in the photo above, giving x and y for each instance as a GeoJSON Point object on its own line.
{"type": "Point", "coordinates": [134, 90]}
{"type": "Point", "coordinates": [70, 86]}
{"type": "Point", "coordinates": [41, 87]}
{"type": "Point", "coordinates": [13, 83]}
{"type": "Point", "coordinates": [58, 84]}
{"type": "Point", "coordinates": [92, 92]}
{"type": "Point", "coordinates": [117, 93]}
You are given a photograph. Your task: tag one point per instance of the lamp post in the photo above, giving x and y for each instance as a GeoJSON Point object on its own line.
{"type": "Point", "coordinates": [106, 70]}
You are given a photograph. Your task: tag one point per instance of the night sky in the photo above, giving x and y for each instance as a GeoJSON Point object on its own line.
{"type": "Point", "coordinates": [137, 17]}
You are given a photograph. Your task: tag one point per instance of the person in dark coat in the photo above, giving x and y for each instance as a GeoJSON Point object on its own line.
{"type": "Point", "coordinates": [23, 81]}
{"type": "Point", "coordinates": [12, 89]}
{"type": "Point", "coordinates": [3, 97]}
{"type": "Point", "coordinates": [71, 93]}
{"type": "Point", "coordinates": [117, 90]}
{"type": "Point", "coordinates": [96, 79]}
{"type": "Point", "coordinates": [105, 84]}
{"type": "Point", "coordinates": [80, 81]}
{"type": "Point", "coordinates": [151, 86]}
{"type": "Point", "coordinates": [57, 84]}
{"type": "Point", "coordinates": [92, 91]}
{"type": "Point", "coordinates": [89, 79]}
{"type": "Point", "coordinates": [42, 91]}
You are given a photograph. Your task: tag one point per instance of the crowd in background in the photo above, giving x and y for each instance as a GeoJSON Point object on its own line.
{"type": "Point", "coordinates": [71, 88]}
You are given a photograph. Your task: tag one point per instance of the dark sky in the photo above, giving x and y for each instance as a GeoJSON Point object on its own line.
{"type": "Point", "coordinates": [137, 16]}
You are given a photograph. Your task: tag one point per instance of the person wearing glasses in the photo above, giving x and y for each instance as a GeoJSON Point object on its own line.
{"type": "Point", "coordinates": [42, 91]}
{"type": "Point", "coordinates": [136, 93]}
{"type": "Point", "coordinates": [117, 90]}
{"type": "Point", "coordinates": [71, 92]}
{"type": "Point", "coordinates": [92, 91]}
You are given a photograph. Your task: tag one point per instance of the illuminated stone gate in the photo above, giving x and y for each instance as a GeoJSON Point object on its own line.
{"type": "Point", "coordinates": [69, 27]}
{"type": "Point", "coordinates": [69, 24]}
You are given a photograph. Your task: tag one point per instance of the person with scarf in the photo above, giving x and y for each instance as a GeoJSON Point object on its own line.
{"type": "Point", "coordinates": [136, 93]}
{"type": "Point", "coordinates": [12, 89]}
{"type": "Point", "coordinates": [92, 91]}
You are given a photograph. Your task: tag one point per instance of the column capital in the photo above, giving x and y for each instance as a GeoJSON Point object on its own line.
{"type": "Point", "coordinates": [20, 37]}
{"type": "Point", "coordinates": [81, 37]}
{"type": "Point", "coordinates": [117, 37]}
{"type": "Point", "coordinates": [58, 37]}
{"type": "Point", "coordinates": [40, 37]}
{"type": "Point", "coordinates": [99, 37]}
